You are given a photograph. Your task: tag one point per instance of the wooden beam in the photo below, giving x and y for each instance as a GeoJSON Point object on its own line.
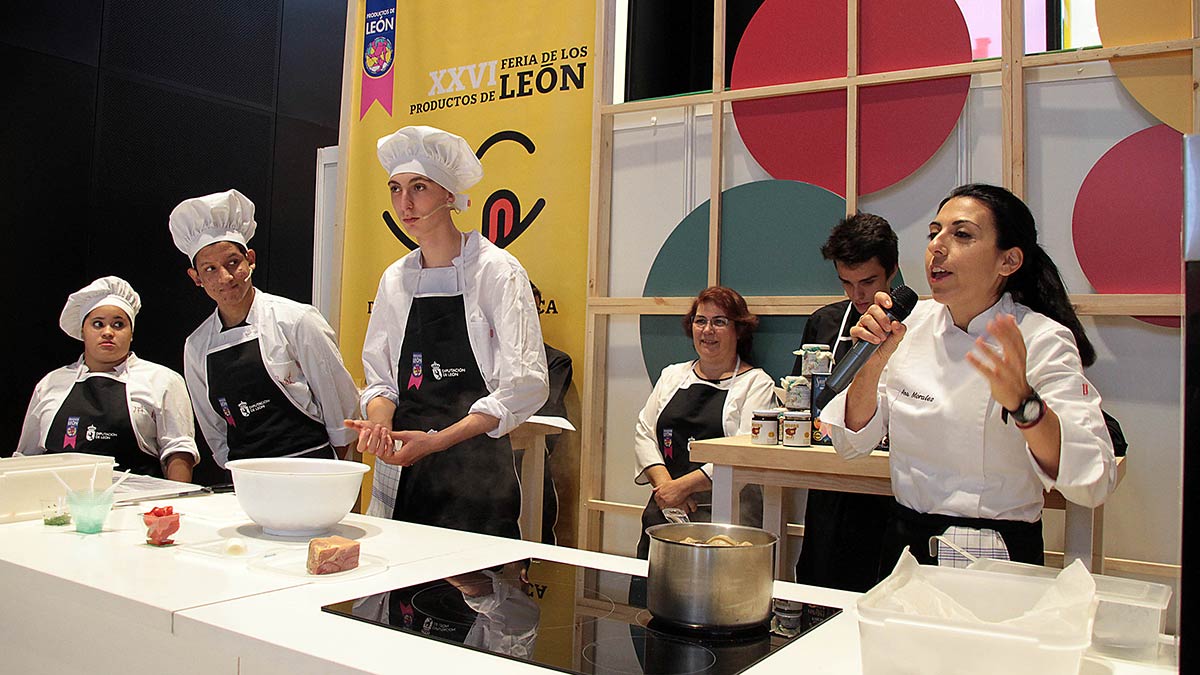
{"type": "Point", "coordinates": [831, 84]}
{"type": "Point", "coordinates": [1089, 304]}
{"type": "Point", "coordinates": [1106, 53]}
{"type": "Point", "coordinates": [595, 375]}
{"type": "Point", "coordinates": [715, 191]}
{"type": "Point", "coordinates": [615, 507]}
{"type": "Point", "coordinates": [851, 107]}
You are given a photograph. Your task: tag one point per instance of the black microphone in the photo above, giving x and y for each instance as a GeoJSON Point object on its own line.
{"type": "Point", "coordinates": [903, 301]}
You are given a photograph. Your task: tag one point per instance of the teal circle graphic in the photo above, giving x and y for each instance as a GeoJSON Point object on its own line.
{"type": "Point", "coordinates": [771, 237]}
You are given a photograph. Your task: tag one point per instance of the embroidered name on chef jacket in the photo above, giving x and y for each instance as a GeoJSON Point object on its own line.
{"type": "Point", "coordinates": [248, 409]}
{"type": "Point", "coordinates": [93, 434]}
{"type": "Point", "coordinates": [916, 396]}
{"type": "Point", "coordinates": [439, 372]}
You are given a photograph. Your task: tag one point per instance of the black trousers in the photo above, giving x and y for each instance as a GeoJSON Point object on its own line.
{"type": "Point", "coordinates": [913, 529]}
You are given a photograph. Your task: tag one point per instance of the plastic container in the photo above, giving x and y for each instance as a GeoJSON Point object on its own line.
{"type": "Point", "coordinates": [893, 642]}
{"type": "Point", "coordinates": [1131, 613]}
{"type": "Point", "coordinates": [26, 481]}
{"type": "Point", "coordinates": [90, 509]}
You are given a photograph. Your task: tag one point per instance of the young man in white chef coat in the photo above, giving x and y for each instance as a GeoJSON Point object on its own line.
{"type": "Point", "coordinates": [264, 372]}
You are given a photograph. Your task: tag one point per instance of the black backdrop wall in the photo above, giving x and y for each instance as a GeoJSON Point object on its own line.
{"type": "Point", "coordinates": [111, 113]}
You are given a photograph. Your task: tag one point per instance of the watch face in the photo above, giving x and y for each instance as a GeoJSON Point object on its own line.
{"type": "Point", "coordinates": [1030, 410]}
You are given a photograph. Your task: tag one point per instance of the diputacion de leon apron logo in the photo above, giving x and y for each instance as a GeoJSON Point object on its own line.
{"type": "Point", "coordinates": [72, 432]}
{"type": "Point", "coordinates": [379, 53]}
{"type": "Point", "coordinates": [668, 442]}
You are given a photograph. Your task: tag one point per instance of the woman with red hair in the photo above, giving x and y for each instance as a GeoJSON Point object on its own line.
{"type": "Point", "coordinates": [710, 396]}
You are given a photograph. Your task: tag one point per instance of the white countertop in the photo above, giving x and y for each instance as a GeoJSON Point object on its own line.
{"type": "Point", "coordinates": [110, 603]}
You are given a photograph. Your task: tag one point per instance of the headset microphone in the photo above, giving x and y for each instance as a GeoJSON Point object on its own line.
{"type": "Point", "coordinates": [443, 206]}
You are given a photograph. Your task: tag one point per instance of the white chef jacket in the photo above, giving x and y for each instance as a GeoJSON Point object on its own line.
{"type": "Point", "coordinates": [298, 350]}
{"type": "Point", "coordinates": [502, 327]}
{"type": "Point", "coordinates": [748, 391]}
{"type": "Point", "coordinates": [950, 451]}
{"type": "Point", "coordinates": [159, 409]}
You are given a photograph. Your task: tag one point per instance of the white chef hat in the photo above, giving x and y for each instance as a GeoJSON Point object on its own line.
{"type": "Point", "coordinates": [200, 221]}
{"type": "Point", "coordinates": [103, 291]}
{"type": "Point", "coordinates": [441, 156]}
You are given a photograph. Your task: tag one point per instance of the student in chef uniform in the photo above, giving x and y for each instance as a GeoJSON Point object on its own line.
{"type": "Point", "coordinates": [981, 390]}
{"type": "Point", "coordinates": [110, 402]}
{"type": "Point", "coordinates": [843, 530]}
{"type": "Point", "coordinates": [453, 354]}
{"type": "Point", "coordinates": [711, 396]}
{"type": "Point", "coordinates": [264, 373]}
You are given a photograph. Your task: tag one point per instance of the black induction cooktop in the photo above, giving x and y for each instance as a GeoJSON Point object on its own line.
{"type": "Point", "coordinates": [574, 619]}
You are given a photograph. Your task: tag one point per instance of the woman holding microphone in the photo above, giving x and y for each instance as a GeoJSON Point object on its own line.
{"type": "Point", "coordinates": [981, 390]}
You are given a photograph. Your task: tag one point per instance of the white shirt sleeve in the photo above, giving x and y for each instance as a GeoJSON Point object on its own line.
{"type": "Point", "coordinates": [175, 426]}
{"type": "Point", "coordinates": [32, 436]}
{"type": "Point", "coordinates": [332, 388]}
{"type": "Point", "coordinates": [379, 363]}
{"type": "Point", "coordinates": [519, 357]}
{"type": "Point", "coordinates": [645, 435]}
{"type": "Point", "coordinates": [1087, 468]}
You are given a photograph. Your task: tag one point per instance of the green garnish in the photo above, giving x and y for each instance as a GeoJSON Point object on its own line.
{"type": "Point", "coordinates": [62, 519]}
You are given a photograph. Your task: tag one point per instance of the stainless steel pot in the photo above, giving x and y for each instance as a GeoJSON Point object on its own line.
{"type": "Point", "coordinates": [710, 586]}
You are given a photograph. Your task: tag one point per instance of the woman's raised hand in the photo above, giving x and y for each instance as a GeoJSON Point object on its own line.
{"type": "Point", "coordinates": [876, 327]}
{"type": "Point", "coordinates": [1004, 367]}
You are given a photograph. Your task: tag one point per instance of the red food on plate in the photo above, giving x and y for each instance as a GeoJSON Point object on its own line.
{"type": "Point", "coordinates": [161, 522]}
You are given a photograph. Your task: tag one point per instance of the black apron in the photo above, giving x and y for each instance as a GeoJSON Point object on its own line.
{"type": "Point", "coordinates": [472, 486]}
{"type": "Point", "coordinates": [260, 420]}
{"type": "Point", "coordinates": [913, 529]}
{"type": "Point", "coordinates": [94, 418]}
{"type": "Point", "coordinates": [694, 413]}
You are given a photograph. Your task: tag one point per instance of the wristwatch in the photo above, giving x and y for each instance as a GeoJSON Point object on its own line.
{"type": "Point", "coordinates": [1029, 412]}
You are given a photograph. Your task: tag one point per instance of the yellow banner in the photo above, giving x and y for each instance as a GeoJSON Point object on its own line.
{"type": "Point", "coordinates": [515, 80]}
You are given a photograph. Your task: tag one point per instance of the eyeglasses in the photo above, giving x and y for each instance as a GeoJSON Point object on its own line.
{"type": "Point", "coordinates": [717, 322]}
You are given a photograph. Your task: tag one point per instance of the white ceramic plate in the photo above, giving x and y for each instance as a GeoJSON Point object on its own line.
{"type": "Point", "coordinates": [293, 562]}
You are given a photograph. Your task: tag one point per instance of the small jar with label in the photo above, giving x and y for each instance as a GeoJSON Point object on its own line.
{"type": "Point", "coordinates": [809, 354]}
{"type": "Point", "coordinates": [797, 429]}
{"type": "Point", "coordinates": [822, 362]}
{"type": "Point", "coordinates": [764, 427]}
{"type": "Point", "coordinates": [798, 393]}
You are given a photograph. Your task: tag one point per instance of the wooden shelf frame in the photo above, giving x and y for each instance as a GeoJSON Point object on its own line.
{"type": "Point", "coordinates": [1012, 66]}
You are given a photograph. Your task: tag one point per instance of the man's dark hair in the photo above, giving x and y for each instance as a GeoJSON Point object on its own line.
{"type": "Point", "coordinates": [862, 236]}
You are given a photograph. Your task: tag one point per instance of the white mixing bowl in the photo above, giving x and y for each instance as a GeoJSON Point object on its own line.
{"type": "Point", "coordinates": [296, 497]}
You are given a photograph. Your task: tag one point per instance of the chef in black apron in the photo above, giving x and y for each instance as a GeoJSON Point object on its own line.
{"type": "Point", "coordinates": [453, 356]}
{"type": "Point", "coordinates": [264, 372]}
{"type": "Point", "coordinates": [843, 532]}
{"type": "Point", "coordinates": [712, 396]}
{"type": "Point", "coordinates": [110, 402]}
